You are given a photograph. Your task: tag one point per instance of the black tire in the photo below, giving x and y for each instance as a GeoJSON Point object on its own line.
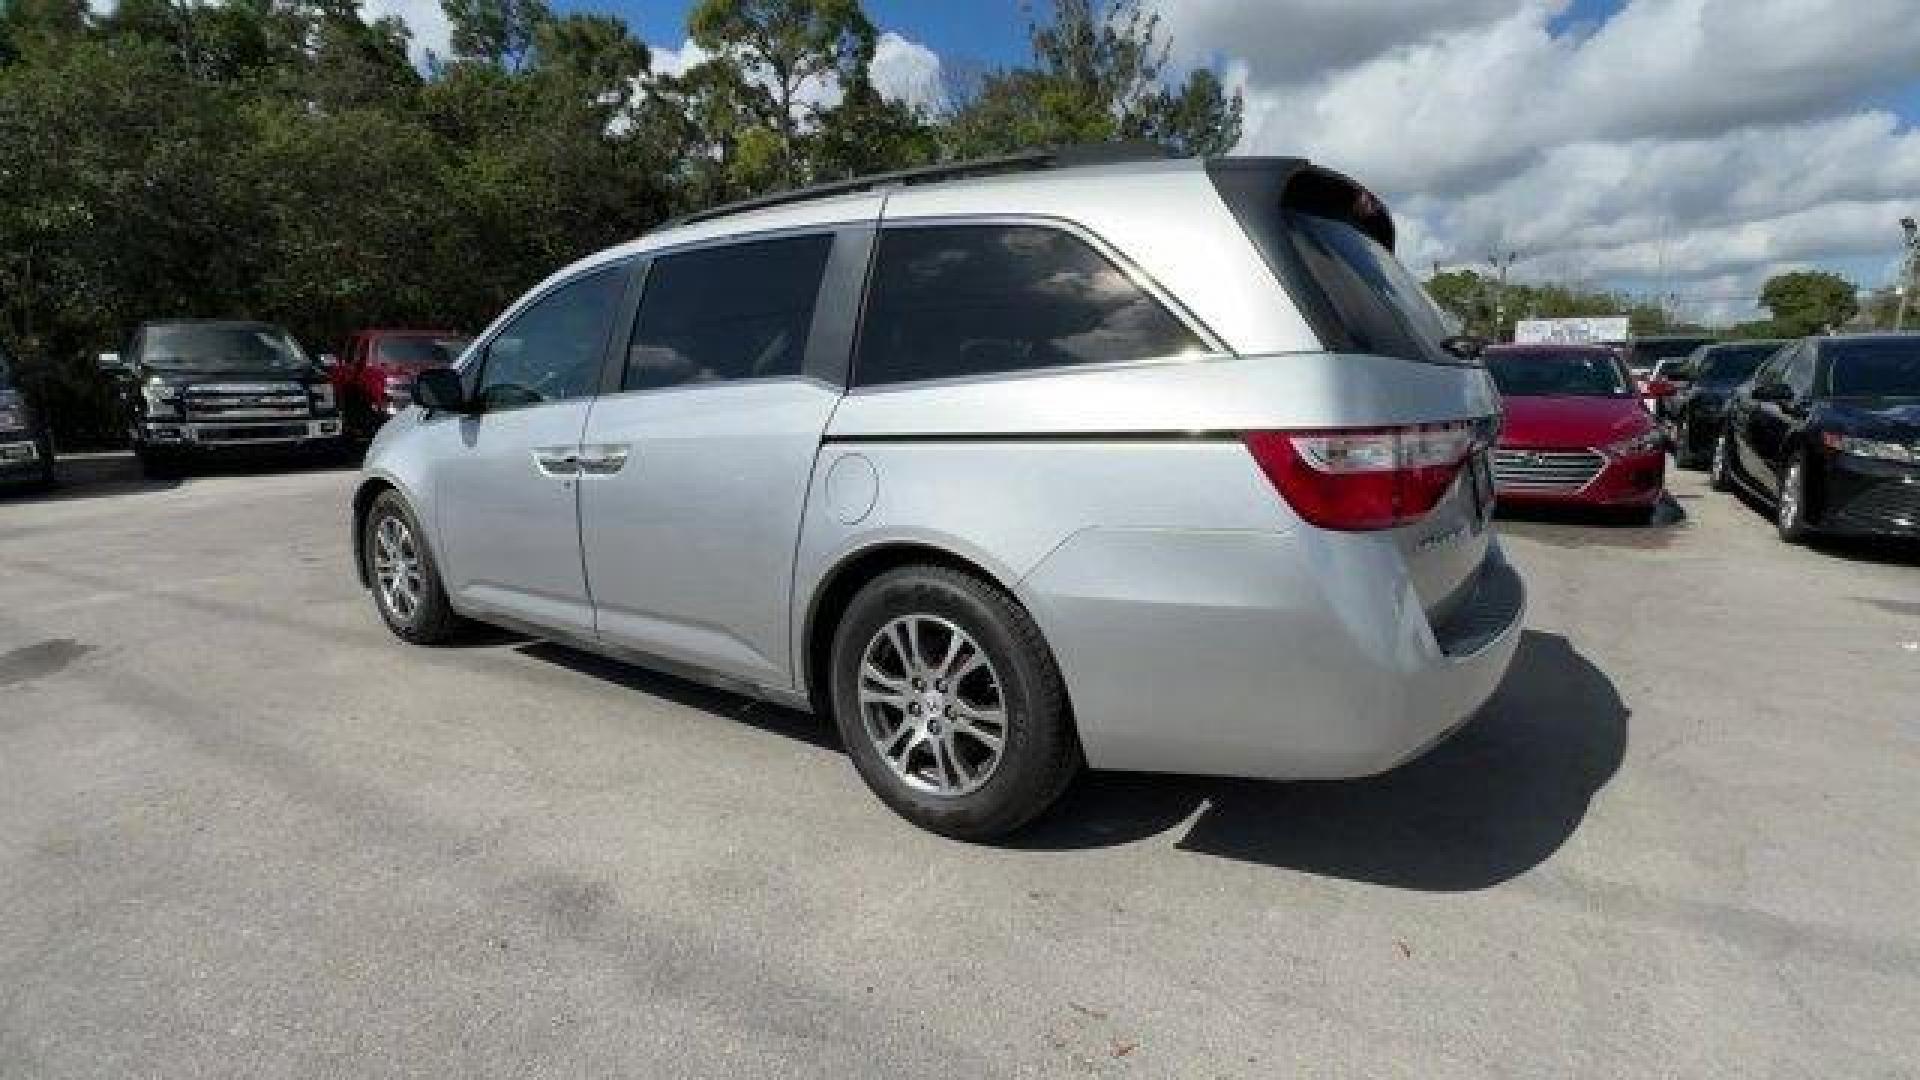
{"type": "Point", "coordinates": [431, 620]}
{"type": "Point", "coordinates": [1684, 456]}
{"type": "Point", "coordinates": [1720, 474]}
{"type": "Point", "coordinates": [1040, 753]}
{"type": "Point", "coordinates": [1790, 509]}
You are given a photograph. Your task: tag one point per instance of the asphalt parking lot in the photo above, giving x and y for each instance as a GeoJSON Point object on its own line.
{"type": "Point", "coordinates": [244, 832]}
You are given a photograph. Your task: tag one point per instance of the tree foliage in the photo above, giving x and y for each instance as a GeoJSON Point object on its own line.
{"type": "Point", "coordinates": [284, 159]}
{"type": "Point", "coordinates": [1809, 302]}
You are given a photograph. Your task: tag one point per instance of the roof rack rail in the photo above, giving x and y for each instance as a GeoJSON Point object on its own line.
{"type": "Point", "coordinates": [1059, 157]}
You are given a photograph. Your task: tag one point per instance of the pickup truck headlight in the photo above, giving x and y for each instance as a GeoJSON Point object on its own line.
{"type": "Point", "coordinates": [1646, 442]}
{"type": "Point", "coordinates": [1877, 449]}
{"type": "Point", "coordinates": [323, 397]}
{"type": "Point", "coordinates": [162, 398]}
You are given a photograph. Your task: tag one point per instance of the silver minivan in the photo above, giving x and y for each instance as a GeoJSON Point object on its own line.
{"type": "Point", "coordinates": [1012, 468]}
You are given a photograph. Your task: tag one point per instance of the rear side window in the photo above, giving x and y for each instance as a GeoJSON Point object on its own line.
{"type": "Point", "coordinates": [728, 313]}
{"type": "Point", "coordinates": [1380, 306]}
{"type": "Point", "coordinates": [960, 300]}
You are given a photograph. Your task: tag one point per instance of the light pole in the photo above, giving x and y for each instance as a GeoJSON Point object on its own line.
{"type": "Point", "coordinates": [1909, 271]}
{"type": "Point", "coordinates": [1501, 264]}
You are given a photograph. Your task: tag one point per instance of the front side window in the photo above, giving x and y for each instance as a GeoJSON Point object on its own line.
{"type": "Point", "coordinates": [552, 350]}
{"type": "Point", "coordinates": [1799, 372]}
{"type": "Point", "coordinates": [951, 301]}
{"type": "Point", "coordinates": [727, 313]}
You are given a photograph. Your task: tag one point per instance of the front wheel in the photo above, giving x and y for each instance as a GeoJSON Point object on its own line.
{"type": "Point", "coordinates": [1720, 476]}
{"type": "Point", "coordinates": [950, 703]}
{"type": "Point", "coordinates": [1790, 516]}
{"type": "Point", "coordinates": [406, 584]}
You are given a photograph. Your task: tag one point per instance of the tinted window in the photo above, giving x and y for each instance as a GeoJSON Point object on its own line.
{"type": "Point", "coordinates": [738, 312]}
{"type": "Point", "coordinates": [988, 299]}
{"type": "Point", "coordinates": [1799, 372]}
{"type": "Point", "coordinates": [1382, 308]}
{"type": "Point", "coordinates": [1731, 364]}
{"type": "Point", "coordinates": [552, 350]}
{"type": "Point", "coordinates": [418, 351]}
{"type": "Point", "coordinates": [1866, 367]}
{"type": "Point", "coordinates": [1556, 374]}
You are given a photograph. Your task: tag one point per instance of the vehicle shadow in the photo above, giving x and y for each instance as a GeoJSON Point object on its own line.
{"type": "Point", "coordinates": [109, 475]}
{"type": "Point", "coordinates": [1581, 527]}
{"type": "Point", "coordinates": [1492, 802]}
{"type": "Point", "coordinates": [1886, 550]}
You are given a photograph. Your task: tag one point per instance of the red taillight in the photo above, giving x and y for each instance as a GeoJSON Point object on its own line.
{"type": "Point", "coordinates": [1364, 478]}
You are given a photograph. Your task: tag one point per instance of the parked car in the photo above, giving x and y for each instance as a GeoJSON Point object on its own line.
{"type": "Point", "coordinates": [374, 376]}
{"type": "Point", "coordinates": [26, 446]}
{"type": "Point", "coordinates": [1828, 432]}
{"type": "Point", "coordinates": [1696, 414]}
{"type": "Point", "coordinates": [196, 387]}
{"type": "Point", "coordinates": [1575, 432]}
{"type": "Point", "coordinates": [1149, 465]}
{"type": "Point", "coordinates": [1643, 354]}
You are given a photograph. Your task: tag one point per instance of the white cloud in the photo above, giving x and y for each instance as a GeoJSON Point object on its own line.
{"type": "Point", "coordinates": [1689, 146]}
{"type": "Point", "coordinates": [424, 18]}
{"type": "Point", "coordinates": [905, 70]}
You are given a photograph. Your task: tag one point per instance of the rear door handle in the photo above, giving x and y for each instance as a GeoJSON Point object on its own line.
{"type": "Point", "coordinates": [557, 460]}
{"type": "Point", "coordinates": [604, 459]}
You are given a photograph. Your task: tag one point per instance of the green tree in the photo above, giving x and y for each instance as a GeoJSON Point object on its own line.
{"type": "Point", "coordinates": [1809, 301]}
{"type": "Point", "coordinates": [870, 133]}
{"type": "Point", "coordinates": [780, 47]}
{"type": "Point", "coordinates": [496, 32]}
{"type": "Point", "coordinates": [1098, 74]}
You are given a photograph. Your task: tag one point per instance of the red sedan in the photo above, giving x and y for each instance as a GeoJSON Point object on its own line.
{"type": "Point", "coordinates": [1576, 432]}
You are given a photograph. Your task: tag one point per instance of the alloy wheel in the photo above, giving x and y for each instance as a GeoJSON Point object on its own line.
{"type": "Point", "coordinates": [1790, 498]}
{"type": "Point", "coordinates": [396, 568]}
{"type": "Point", "coordinates": [932, 705]}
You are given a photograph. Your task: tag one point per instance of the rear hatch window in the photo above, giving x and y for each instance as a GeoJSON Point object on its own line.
{"type": "Point", "coordinates": [1330, 242]}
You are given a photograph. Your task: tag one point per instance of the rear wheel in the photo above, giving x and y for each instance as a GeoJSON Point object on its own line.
{"type": "Point", "coordinates": [950, 703]}
{"type": "Point", "coordinates": [406, 584]}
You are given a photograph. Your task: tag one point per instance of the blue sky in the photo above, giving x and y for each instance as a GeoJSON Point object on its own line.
{"type": "Point", "coordinates": [1677, 148]}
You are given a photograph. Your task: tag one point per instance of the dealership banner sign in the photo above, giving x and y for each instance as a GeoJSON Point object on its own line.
{"type": "Point", "coordinates": [1570, 331]}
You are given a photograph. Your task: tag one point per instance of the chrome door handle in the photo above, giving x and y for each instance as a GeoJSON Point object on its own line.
{"type": "Point", "coordinates": [604, 460]}
{"type": "Point", "coordinates": [557, 460]}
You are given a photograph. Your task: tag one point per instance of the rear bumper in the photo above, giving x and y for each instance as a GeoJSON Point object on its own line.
{"type": "Point", "coordinates": [1282, 655]}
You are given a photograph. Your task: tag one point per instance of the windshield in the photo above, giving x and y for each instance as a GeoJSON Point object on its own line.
{"type": "Point", "coordinates": [1885, 367]}
{"type": "Point", "coordinates": [221, 347]}
{"type": "Point", "coordinates": [1556, 374]}
{"type": "Point", "coordinates": [1730, 365]}
{"type": "Point", "coordinates": [1643, 354]}
{"type": "Point", "coordinates": [422, 351]}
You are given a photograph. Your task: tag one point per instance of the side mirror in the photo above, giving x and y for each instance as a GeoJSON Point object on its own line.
{"type": "Point", "coordinates": [1774, 392]}
{"type": "Point", "coordinates": [1658, 388]}
{"type": "Point", "coordinates": [110, 362]}
{"type": "Point", "coordinates": [440, 390]}
{"type": "Point", "coordinates": [1465, 346]}
{"type": "Point", "coordinates": [329, 361]}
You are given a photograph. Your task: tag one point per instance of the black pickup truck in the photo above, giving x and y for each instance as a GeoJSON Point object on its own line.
{"type": "Point", "coordinates": [194, 388]}
{"type": "Point", "coordinates": [26, 449]}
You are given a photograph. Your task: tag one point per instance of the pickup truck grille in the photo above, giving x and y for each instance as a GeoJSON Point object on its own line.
{"type": "Point", "coordinates": [1545, 470]}
{"type": "Point", "coordinates": [247, 401]}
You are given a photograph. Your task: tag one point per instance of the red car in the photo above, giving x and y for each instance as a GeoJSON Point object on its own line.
{"type": "Point", "coordinates": [374, 375]}
{"type": "Point", "coordinates": [1576, 432]}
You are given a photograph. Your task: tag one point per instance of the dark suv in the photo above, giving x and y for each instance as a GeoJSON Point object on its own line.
{"type": "Point", "coordinates": [26, 448]}
{"type": "Point", "coordinates": [198, 387]}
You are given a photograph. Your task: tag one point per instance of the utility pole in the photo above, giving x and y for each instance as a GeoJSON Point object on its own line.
{"type": "Point", "coordinates": [1500, 266]}
{"type": "Point", "coordinates": [1909, 271]}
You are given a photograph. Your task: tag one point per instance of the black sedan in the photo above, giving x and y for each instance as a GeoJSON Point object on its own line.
{"type": "Point", "coordinates": [1828, 432]}
{"type": "Point", "coordinates": [1696, 415]}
